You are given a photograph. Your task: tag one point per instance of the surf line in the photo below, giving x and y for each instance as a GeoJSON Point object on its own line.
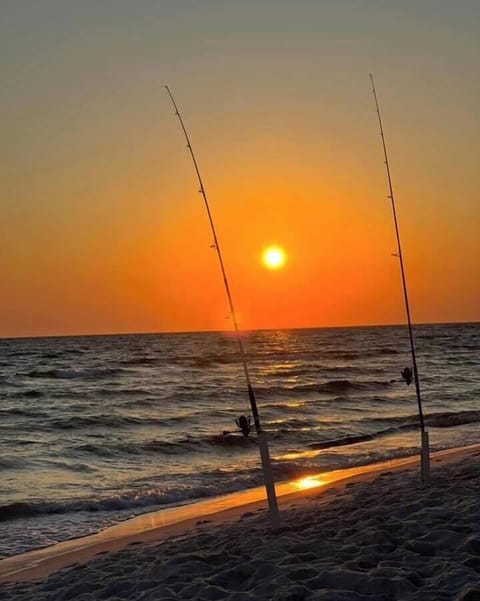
{"type": "Point", "coordinates": [407, 376]}
{"type": "Point", "coordinates": [261, 436]}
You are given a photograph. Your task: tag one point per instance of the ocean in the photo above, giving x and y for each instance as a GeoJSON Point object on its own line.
{"type": "Point", "coordinates": [96, 429]}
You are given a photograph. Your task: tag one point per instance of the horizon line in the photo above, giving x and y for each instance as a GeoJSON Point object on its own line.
{"type": "Point", "coordinates": [231, 332]}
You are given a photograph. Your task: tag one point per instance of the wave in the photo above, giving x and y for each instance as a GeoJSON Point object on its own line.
{"type": "Point", "coordinates": [103, 420]}
{"type": "Point", "coordinates": [342, 386]}
{"type": "Point", "coordinates": [402, 424]}
{"type": "Point", "coordinates": [20, 353]}
{"type": "Point", "coordinates": [52, 355]}
{"type": "Point", "coordinates": [193, 444]}
{"type": "Point", "coordinates": [289, 371]}
{"type": "Point", "coordinates": [110, 421]}
{"type": "Point", "coordinates": [440, 419]}
{"type": "Point", "coordinates": [16, 510]}
{"type": "Point", "coordinates": [224, 482]}
{"type": "Point", "coordinates": [345, 355]}
{"type": "Point", "coordinates": [31, 394]}
{"type": "Point", "coordinates": [329, 387]}
{"type": "Point", "coordinates": [386, 351]}
{"type": "Point", "coordinates": [164, 446]}
{"type": "Point", "coordinates": [75, 373]}
{"type": "Point", "coordinates": [297, 355]}
{"type": "Point", "coordinates": [305, 404]}
{"type": "Point", "coordinates": [156, 447]}
{"type": "Point", "coordinates": [140, 361]}
{"type": "Point", "coordinates": [344, 441]}
{"type": "Point", "coordinates": [23, 412]}
{"type": "Point", "coordinates": [311, 368]}
{"type": "Point", "coordinates": [22, 394]}
{"type": "Point", "coordinates": [179, 446]}
{"type": "Point", "coordinates": [448, 419]}
{"type": "Point", "coordinates": [122, 392]}
{"type": "Point", "coordinates": [203, 362]}
{"type": "Point", "coordinates": [352, 439]}
{"type": "Point", "coordinates": [10, 463]}
{"type": "Point", "coordinates": [231, 439]}
{"type": "Point", "coordinates": [196, 361]}
{"type": "Point", "coordinates": [4, 381]}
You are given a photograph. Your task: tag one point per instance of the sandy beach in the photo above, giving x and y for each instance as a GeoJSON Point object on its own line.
{"type": "Point", "coordinates": [378, 535]}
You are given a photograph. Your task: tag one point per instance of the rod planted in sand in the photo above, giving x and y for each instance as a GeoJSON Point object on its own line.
{"type": "Point", "coordinates": [262, 440]}
{"type": "Point", "coordinates": [425, 452]}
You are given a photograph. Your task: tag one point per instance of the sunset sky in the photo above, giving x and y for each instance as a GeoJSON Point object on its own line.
{"type": "Point", "coordinates": [102, 229]}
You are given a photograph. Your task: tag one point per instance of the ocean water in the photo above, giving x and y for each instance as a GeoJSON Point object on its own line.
{"type": "Point", "coordinates": [96, 429]}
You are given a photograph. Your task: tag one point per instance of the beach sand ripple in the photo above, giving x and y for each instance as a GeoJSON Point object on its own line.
{"type": "Point", "coordinates": [388, 539]}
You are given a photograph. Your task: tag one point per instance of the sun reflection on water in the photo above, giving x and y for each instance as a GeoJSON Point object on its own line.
{"type": "Point", "coordinates": [309, 482]}
{"type": "Point", "coordinates": [298, 455]}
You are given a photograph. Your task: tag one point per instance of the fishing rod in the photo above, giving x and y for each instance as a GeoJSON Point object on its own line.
{"type": "Point", "coordinates": [262, 440]}
{"type": "Point", "coordinates": [425, 453]}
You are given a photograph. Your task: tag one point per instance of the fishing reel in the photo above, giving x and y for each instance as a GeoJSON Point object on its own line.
{"type": "Point", "coordinates": [407, 375]}
{"type": "Point", "coordinates": [244, 424]}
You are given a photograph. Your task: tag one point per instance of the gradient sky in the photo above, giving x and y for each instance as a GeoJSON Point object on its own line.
{"type": "Point", "coordinates": [102, 229]}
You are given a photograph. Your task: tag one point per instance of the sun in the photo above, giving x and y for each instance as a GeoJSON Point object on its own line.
{"type": "Point", "coordinates": [274, 257]}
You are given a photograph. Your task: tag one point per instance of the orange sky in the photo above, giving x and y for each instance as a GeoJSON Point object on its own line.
{"type": "Point", "coordinates": [102, 227]}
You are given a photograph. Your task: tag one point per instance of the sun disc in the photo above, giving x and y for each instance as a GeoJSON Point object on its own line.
{"type": "Point", "coordinates": [274, 257]}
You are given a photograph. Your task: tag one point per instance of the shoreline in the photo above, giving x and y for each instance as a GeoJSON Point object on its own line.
{"type": "Point", "coordinates": [157, 526]}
